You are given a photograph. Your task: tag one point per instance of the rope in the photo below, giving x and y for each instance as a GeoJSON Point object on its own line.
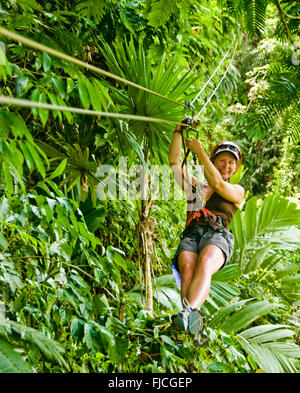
{"type": "Point", "coordinates": [213, 74]}
{"type": "Point", "coordinates": [36, 45]}
{"type": "Point", "coordinates": [34, 104]}
{"type": "Point", "coordinates": [213, 93]}
{"type": "Point", "coordinates": [27, 103]}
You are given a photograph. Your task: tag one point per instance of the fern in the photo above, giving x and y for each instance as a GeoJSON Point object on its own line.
{"type": "Point", "coordinates": [160, 11]}
{"type": "Point", "coordinates": [254, 15]}
{"type": "Point", "coordinates": [31, 4]}
{"type": "Point", "coordinates": [292, 124]}
{"type": "Point", "coordinates": [94, 9]}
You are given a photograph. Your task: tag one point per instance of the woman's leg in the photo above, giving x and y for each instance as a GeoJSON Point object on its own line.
{"type": "Point", "coordinates": [210, 260]}
{"type": "Point", "coordinates": [186, 263]}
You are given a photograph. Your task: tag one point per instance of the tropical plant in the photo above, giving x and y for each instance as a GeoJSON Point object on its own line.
{"type": "Point", "coordinates": [72, 297]}
{"type": "Point", "coordinates": [133, 64]}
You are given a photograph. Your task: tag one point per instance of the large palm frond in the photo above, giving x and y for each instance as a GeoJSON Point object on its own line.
{"type": "Point", "coordinates": [253, 13]}
{"type": "Point", "coordinates": [166, 78]}
{"type": "Point", "coordinates": [265, 344]}
{"type": "Point", "coordinates": [263, 227]}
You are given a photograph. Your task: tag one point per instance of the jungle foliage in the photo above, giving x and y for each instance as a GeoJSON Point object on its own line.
{"type": "Point", "coordinates": [86, 284]}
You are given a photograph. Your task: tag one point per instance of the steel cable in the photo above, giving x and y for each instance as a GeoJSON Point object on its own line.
{"type": "Point", "coordinates": [35, 104]}
{"type": "Point", "coordinates": [36, 45]}
{"type": "Point", "coordinates": [28, 103]}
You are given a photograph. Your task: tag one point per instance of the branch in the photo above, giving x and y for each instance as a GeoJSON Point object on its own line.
{"type": "Point", "coordinates": [70, 265]}
{"type": "Point", "coordinates": [282, 17]}
{"type": "Point", "coordinates": [291, 16]}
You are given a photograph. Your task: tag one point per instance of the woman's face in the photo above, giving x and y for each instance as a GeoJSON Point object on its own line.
{"type": "Point", "coordinates": [226, 164]}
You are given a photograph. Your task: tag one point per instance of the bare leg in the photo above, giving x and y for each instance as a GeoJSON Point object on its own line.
{"type": "Point", "coordinates": [186, 262]}
{"type": "Point", "coordinates": [210, 259]}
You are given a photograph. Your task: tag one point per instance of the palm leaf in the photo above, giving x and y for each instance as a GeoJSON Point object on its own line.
{"type": "Point", "coordinates": [11, 361]}
{"type": "Point", "coordinates": [264, 228]}
{"type": "Point", "coordinates": [223, 313]}
{"type": "Point", "coordinates": [50, 348]}
{"type": "Point", "coordinates": [271, 355]}
{"type": "Point", "coordinates": [254, 15]}
{"type": "Point", "coordinates": [130, 61]}
{"type": "Point", "coordinates": [244, 317]}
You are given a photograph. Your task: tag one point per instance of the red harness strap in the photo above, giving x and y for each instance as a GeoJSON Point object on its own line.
{"type": "Point", "coordinates": [206, 215]}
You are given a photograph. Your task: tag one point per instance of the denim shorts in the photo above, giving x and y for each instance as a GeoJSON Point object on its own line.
{"type": "Point", "coordinates": [195, 238]}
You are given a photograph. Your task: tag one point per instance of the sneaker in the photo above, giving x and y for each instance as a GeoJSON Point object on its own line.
{"type": "Point", "coordinates": [196, 322]}
{"type": "Point", "coordinates": [181, 319]}
{"type": "Point", "coordinates": [201, 339]}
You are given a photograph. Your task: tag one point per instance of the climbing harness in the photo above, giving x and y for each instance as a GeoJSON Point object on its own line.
{"type": "Point", "coordinates": [206, 216]}
{"type": "Point", "coordinates": [197, 189]}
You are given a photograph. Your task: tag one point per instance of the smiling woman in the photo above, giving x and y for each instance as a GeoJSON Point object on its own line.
{"type": "Point", "coordinates": [206, 244]}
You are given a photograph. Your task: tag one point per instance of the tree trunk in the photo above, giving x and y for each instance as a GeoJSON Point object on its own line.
{"type": "Point", "coordinates": [145, 235]}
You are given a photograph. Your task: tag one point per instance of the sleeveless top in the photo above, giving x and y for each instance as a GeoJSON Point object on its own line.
{"type": "Point", "coordinates": [221, 207]}
{"type": "Point", "coordinates": [217, 205]}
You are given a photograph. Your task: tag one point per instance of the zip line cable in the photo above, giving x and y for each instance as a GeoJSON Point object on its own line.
{"type": "Point", "coordinates": [33, 104]}
{"type": "Point", "coordinates": [212, 75]}
{"type": "Point", "coordinates": [213, 93]}
{"type": "Point", "coordinates": [43, 48]}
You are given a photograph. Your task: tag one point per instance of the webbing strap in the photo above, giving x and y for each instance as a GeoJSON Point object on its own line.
{"type": "Point", "coordinates": [206, 215]}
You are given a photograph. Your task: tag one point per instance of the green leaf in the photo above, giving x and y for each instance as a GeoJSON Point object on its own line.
{"type": "Point", "coordinates": [8, 178]}
{"type": "Point", "coordinates": [35, 94]}
{"type": "Point", "coordinates": [59, 170]}
{"type": "Point", "coordinates": [99, 303]}
{"type": "Point", "coordinates": [3, 241]}
{"type": "Point", "coordinates": [67, 115]}
{"type": "Point", "coordinates": [43, 113]}
{"type": "Point", "coordinates": [77, 328]}
{"type": "Point", "coordinates": [37, 159]}
{"type": "Point", "coordinates": [227, 273]}
{"type": "Point", "coordinates": [54, 101]}
{"type": "Point", "coordinates": [28, 158]}
{"type": "Point", "coordinates": [244, 317]}
{"type": "Point", "coordinates": [83, 94]}
{"type": "Point", "coordinates": [70, 85]}
{"type": "Point", "coordinates": [59, 86]}
{"type": "Point", "coordinates": [46, 62]}
{"type": "Point", "coordinates": [267, 333]}
{"type": "Point", "coordinates": [94, 95]}
{"type": "Point", "coordinates": [11, 361]}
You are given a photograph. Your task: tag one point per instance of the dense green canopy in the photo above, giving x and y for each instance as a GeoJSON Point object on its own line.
{"type": "Point", "coordinates": [85, 246]}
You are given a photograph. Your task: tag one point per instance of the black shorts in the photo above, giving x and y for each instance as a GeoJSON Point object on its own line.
{"type": "Point", "coordinates": [195, 238]}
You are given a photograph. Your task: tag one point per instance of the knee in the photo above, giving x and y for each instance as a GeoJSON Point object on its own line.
{"type": "Point", "coordinates": [205, 266]}
{"type": "Point", "coordinates": [186, 272]}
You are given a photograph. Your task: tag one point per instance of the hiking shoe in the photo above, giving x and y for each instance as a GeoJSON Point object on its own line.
{"type": "Point", "coordinates": [181, 319]}
{"type": "Point", "coordinates": [201, 339]}
{"type": "Point", "coordinates": [196, 322]}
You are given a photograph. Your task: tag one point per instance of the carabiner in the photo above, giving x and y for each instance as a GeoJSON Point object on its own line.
{"type": "Point", "coordinates": [189, 105]}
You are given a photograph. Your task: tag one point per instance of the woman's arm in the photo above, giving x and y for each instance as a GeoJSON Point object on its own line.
{"type": "Point", "coordinates": [181, 174]}
{"type": "Point", "coordinates": [232, 192]}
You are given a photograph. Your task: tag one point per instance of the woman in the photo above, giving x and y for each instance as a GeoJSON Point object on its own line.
{"type": "Point", "coordinates": [206, 244]}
